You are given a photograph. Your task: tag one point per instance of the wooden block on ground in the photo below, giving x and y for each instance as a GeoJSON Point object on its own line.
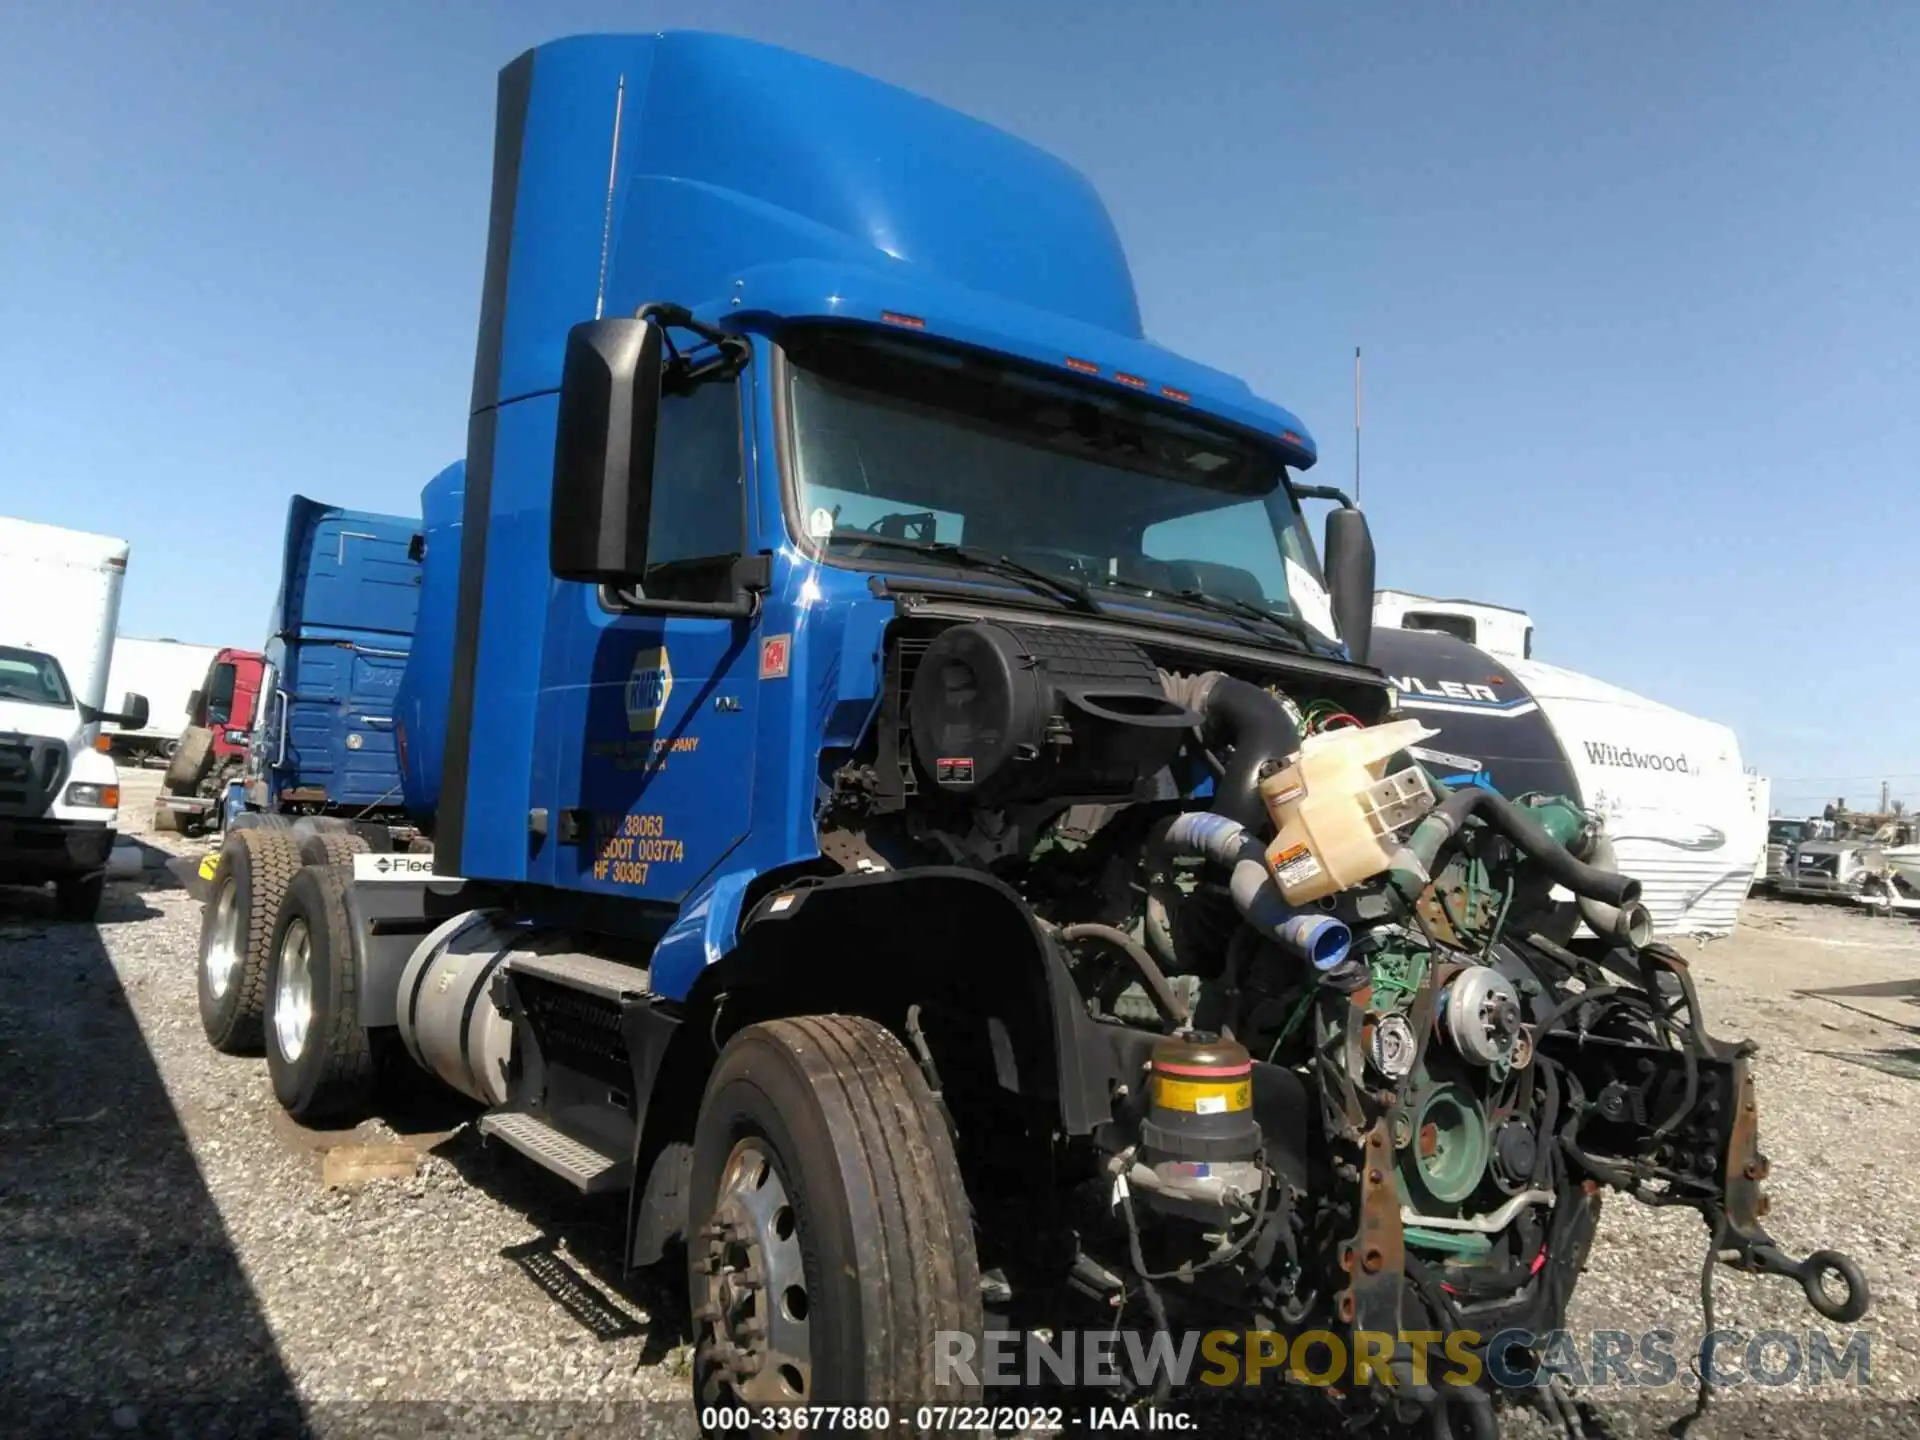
{"type": "Point", "coordinates": [354, 1164]}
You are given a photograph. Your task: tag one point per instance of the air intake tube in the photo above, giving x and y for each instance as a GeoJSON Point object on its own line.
{"type": "Point", "coordinates": [1630, 923]}
{"type": "Point", "coordinates": [1319, 939]}
{"type": "Point", "coordinates": [1251, 723]}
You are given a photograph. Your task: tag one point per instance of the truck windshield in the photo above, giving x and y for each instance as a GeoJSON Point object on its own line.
{"type": "Point", "coordinates": [33, 678]}
{"type": "Point", "coordinates": [901, 447]}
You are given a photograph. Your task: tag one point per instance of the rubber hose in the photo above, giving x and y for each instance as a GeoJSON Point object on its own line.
{"type": "Point", "coordinates": [1513, 822]}
{"type": "Point", "coordinates": [1312, 936]}
{"type": "Point", "coordinates": [1159, 923]}
{"type": "Point", "coordinates": [1249, 720]}
{"type": "Point", "coordinates": [1629, 922]}
{"type": "Point", "coordinates": [1151, 975]}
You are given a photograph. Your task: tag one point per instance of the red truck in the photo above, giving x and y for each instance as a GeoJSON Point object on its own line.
{"type": "Point", "coordinates": [213, 748]}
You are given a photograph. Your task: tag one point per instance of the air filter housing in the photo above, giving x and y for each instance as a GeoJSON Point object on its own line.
{"type": "Point", "coordinates": [1014, 713]}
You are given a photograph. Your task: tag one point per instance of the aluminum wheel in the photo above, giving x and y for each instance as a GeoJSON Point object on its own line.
{"type": "Point", "coordinates": [293, 991]}
{"type": "Point", "coordinates": [760, 1348]}
{"type": "Point", "coordinates": [222, 960]}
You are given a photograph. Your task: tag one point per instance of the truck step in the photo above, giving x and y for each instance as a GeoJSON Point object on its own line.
{"type": "Point", "coordinates": [607, 979]}
{"type": "Point", "coordinates": [588, 1170]}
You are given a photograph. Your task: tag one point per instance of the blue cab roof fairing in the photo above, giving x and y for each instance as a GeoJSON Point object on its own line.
{"type": "Point", "coordinates": [735, 156]}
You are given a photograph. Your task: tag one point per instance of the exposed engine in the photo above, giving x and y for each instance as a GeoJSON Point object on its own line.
{"type": "Point", "coordinates": [1382, 1097]}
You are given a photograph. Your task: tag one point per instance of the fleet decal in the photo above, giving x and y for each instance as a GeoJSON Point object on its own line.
{"type": "Point", "coordinates": [628, 847]}
{"type": "Point", "coordinates": [649, 685]}
{"type": "Point", "coordinates": [368, 866]}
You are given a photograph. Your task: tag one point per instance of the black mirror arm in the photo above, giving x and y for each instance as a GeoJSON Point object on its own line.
{"type": "Point", "coordinates": [734, 350]}
{"type": "Point", "coordinates": [1322, 492]}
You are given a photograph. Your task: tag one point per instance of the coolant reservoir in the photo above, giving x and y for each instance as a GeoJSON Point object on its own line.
{"type": "Point", "coordinates": [1337, 816]}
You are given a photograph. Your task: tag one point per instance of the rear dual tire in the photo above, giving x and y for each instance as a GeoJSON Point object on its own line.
{"type": "Point", "coordinates": [332, 847]}
{"type": "Point", "coordinates": [319, 1055]}
{"type": "Point", "coordinates": [236, 935]}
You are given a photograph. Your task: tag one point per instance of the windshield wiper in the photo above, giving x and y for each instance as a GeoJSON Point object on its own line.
{"type": "Point", "coordinates": [1071, 592]}
{"type": "Point", "coordinates": [1232, 605]}
{"type": "Point", "coordinates": [1241, 610]}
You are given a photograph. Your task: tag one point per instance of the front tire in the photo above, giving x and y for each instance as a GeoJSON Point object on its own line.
{"type": "Point", "coordinates": [318, 1052]}
{"type": "Point", "coordinates": [255, 868]}
{"type": "Point", "coordinates": [831, 1244]}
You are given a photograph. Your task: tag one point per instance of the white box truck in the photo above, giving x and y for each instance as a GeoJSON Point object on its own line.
{"type": "Point", "coordinates": [59, 793]}
{"type": "Point", "coordinates": [167, 672]}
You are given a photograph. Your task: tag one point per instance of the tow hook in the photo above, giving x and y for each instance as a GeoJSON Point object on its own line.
{"type": "Point", "coordinates": [1750, 1248]}
{"type": "Point", "coordinates": [1816, 1275]}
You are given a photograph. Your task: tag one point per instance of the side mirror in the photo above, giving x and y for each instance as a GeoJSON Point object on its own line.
{"type": "Point", "coordinates": [603, 451]}
{"type": "Point", "coordinates": [1349, 556]}
{"type": "Point", "coordinates": [132, 714]}
{"type": "Point", "coordinates": [196, 708]}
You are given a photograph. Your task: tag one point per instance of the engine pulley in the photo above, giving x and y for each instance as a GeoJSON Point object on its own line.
{"type": "Point", "coordinates": [1482, 1017]}
{"type": "Point", "coordinates": [1393, 1048]}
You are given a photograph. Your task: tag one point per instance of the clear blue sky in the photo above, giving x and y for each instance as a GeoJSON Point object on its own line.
{"type": "Point", "coordinates": [1639, 287]}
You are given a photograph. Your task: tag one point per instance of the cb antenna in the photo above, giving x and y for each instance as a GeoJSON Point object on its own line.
{"type": "Point", "coordinates": [1356, 425]}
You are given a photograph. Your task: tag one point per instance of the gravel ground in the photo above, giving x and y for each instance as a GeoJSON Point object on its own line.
{"type": "Point", "coordinates": [167, 1238]}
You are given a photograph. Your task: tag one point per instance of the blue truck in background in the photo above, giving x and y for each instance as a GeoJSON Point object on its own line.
{"type": "Point", "coordinates": [330, 753]}
{"type": "Point", "coordinates": [854, 690]}
{"type": "Point", "coordinates": [342, 628]}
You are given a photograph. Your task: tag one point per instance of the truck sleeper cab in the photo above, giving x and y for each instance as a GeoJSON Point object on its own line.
{"type": "Point", "coordinates": [875, 679]}
{"type": "Point", "coordinates": [307, 729]}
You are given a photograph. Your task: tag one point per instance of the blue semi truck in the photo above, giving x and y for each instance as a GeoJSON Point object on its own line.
{"type": "Point", "coordinates": [329, 754]}
{"type": "Point", "coordinates": [342, 628]}
{"type": "Point", "coordinates": [908, 806]}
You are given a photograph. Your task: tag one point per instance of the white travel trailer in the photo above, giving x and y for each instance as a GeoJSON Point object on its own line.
{"type": "Point", "coordinates": [1671, 790]}
{"type": "Point", "coordinates": [1682, 814]}
{"type": "Point", "coordinates": [1501, 632]}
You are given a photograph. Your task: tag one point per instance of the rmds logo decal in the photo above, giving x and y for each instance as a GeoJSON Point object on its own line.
{"type": "Point", "coordinates": [649, 685]}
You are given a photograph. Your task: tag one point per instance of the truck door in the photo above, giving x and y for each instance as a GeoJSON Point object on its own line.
{"type": "Point", "coordinates": [658, 780]}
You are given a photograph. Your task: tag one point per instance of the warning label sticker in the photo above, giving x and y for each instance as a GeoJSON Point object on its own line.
{"type": "Point", "coordinates": [1294, 865]}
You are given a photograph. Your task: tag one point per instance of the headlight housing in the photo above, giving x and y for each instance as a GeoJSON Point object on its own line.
{"type": "Point", "coordinates": [93, 797]}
